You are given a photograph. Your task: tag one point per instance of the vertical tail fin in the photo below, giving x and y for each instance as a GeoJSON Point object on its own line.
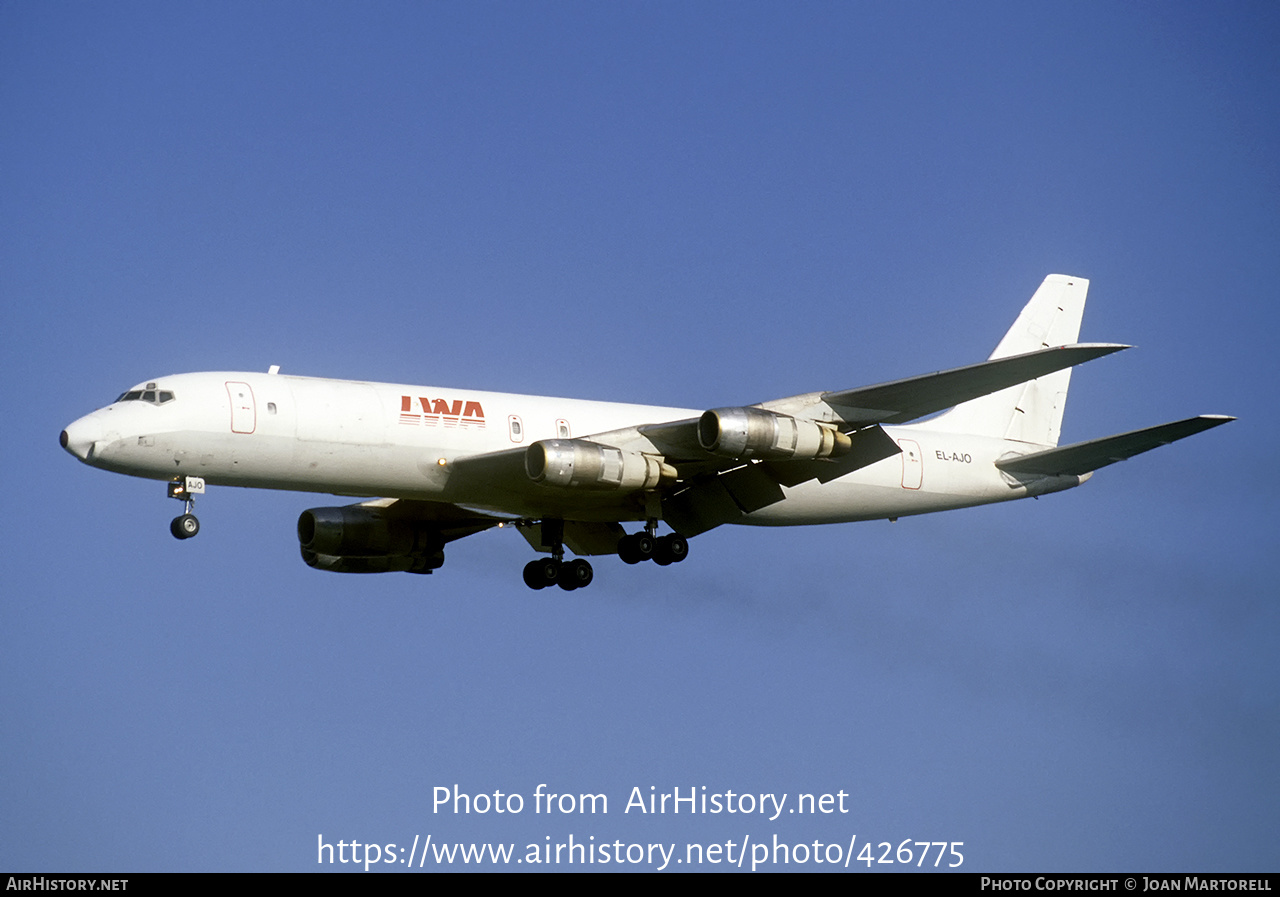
{"type": "Point", "coordinates": [1032, 411]}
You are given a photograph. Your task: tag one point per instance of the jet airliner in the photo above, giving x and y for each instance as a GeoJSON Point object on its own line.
{"type": "Point", "coordinates": [438, 464]}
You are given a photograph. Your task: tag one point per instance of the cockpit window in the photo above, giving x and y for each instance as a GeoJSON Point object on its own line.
{"type": "Point", "coordinates": [150, 395]}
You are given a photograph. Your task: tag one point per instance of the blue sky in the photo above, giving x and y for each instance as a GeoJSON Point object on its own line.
{"type": "Point", "coordinates": [681, 204]}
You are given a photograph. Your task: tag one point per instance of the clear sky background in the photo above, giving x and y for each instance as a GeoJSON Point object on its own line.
{"type": "Point", "coordinates": [682, 204]}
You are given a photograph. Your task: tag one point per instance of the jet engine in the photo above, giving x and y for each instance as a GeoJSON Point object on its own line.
{"type": "Point", "coordinates": [589, 465]}
{"type": "Point", "coordinates": [756, 433]}
{"type": "Point", "coordinates": [359, 539]}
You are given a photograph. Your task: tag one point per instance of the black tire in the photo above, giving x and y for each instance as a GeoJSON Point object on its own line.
{"type": "Point", "coordinates": [671, 549]}
{"type": "Point", "coordinates": [541, 572]}
{"type": "Point", "coordinates": [627, 550]}
{"type": "Point", "coordinates": [550, 570]}
{"type": "Point", "coordinates": [576, 574]}
{"type": "Point", "coordinates": [184, 526]}
{"type": "Point", "coordinates": [645, 545]}
{"type": "Point", "coordinates": [533, 576]}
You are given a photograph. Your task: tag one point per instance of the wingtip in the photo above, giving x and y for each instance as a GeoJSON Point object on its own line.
{"type": "Point", "coordinates": [1097, 350]}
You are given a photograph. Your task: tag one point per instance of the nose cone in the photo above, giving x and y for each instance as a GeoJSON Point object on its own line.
{"type": "Point", "coordinates": [79, 437]}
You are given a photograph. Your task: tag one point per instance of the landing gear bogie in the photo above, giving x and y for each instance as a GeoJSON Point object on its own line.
{"type": "Point", "coordinates": [671, 549]}
{"type": "Point", "coordinates": [541, 572]}
{"type": "Point", "coordinates": [568, 575]}
{"type": "Point", "coordinates": [575, 574]}
{"type": "Point", "coordinates": [644, 545]}
{"type": "Point", "coordinates": [637, 547]}
{"type": "Point", "coordinates": [662, 550]}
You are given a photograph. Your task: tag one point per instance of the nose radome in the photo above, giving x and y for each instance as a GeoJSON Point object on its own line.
{"type": "Point", "coordinates": [79, 436]}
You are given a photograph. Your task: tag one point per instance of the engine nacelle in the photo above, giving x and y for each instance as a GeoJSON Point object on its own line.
{"type": "Point", "coordinates": [756, 433]}
{"type": "Point", "coordinates": [359, 539]}
{"type": "Point", "coordinates": [380, 564]}
{"type": "Point", "coordinates": [588, 465]}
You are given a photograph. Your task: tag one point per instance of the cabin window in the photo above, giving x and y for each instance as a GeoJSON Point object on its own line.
{"type": "Point", "coordinates": [515, 428]}
{"type": "Point", "coordinates": [562, 428]}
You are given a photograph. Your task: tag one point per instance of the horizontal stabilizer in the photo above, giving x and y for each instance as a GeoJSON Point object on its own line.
{"type": "Point", "coordinates": [900, 401]}
{"type": "Point", "coordinates": [1083, 457]}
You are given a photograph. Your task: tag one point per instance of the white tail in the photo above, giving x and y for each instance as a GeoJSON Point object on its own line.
{"type": "Point", "coordinates": [1032, 411]}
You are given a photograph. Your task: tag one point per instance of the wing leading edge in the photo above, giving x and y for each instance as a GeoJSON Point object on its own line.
{"type": "Point", "coordinates": [900, 401]}
{"type": "Point", "coordinates": [897, 401]}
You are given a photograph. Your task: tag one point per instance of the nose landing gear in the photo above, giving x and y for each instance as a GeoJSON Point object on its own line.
{"type": "Point", "coordinates": [185, 525]}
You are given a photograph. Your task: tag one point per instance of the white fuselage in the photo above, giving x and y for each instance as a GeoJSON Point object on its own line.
{"type": "Point", "coordinates": [396, 441]}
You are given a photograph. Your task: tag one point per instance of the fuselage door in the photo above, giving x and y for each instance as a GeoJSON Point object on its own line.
{"type": "Point", "coordinates": [912, 464]}
{"type": "Point", "coordinates": [244, 416]}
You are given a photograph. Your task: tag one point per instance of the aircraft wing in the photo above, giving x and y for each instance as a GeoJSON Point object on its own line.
{"type": "Point", "coordinates": [895, 402]}
{"type": "Point", "coordinates": [1084, 457]}
{"type": "Point", "coordinates": [900, 401]}
{"type": "Point", "coordinates": [500, 482]}
{"type": "Point", "coordinates": [499, 479]}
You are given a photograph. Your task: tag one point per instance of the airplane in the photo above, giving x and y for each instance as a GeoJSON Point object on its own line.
{"type": "Point", "coordinates": [438, 464]}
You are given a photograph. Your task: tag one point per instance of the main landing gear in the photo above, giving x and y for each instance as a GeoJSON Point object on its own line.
{"type": "Point", "coordinates": [555, 570]}
{"type": "Point", "coordinates": [645, 546]}
{"type": "Point", "coordinates": [576, 574]}
{"type": "Point", "coordinates": [185, 525]}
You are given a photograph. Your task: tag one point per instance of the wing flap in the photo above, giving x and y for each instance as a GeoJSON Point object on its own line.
{"type": "Point", "coordinates": [703, 506]}
{"type": "Point", "coordinates": [713, 499]}
{"type": "Point", "coordinates": [1084, 457]}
